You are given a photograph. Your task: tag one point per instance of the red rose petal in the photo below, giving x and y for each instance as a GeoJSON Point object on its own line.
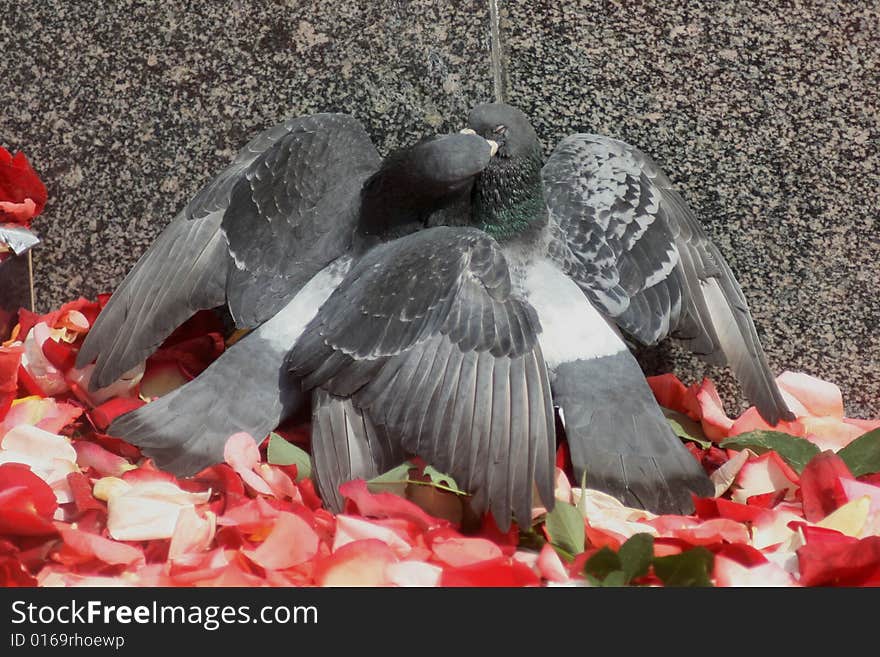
{"type": "Point", "coordinates": [840, 563]}
{"type": "Point", "coordinates": [27, 503]}
{"type": "Point", "coordinates": [18, 183]}
{"type": "Point", "coordinates": [669, 391]}
{"type": "Point", "coordinates": [491, 573]}
{"type": "Point", "coordinates": [60, 354]}
{"type": "Point", "coordinates": [821, 489]}
{"type": "Point", "coordinates": [104, 414]}
{"type": "Point", "coordinates": [83, 498]}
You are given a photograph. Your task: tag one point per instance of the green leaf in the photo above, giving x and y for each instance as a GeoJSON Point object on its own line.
{"type": "Point", "coordinates": [443, 479]}
{"type": "Point", "coordinates": [565, 524]}
{"type": "Point", "coordinates": [685, 427]}
{"type": "Point", "coordinates": [393, 481]}
{"type": "Point", "coordinates": [615, 578]}
{"type": "Point", "coordinates": [636, 556]}
{"type": "Point", "coordinates": [282, 452]}
{"type": "Point", "coordinates": [862, 456]}
{"type": "Point", "coordinates": [602, 564]}
{"type": "Point", "coordinates": [795, 451]}
{"type": "Point", "coordinates": [690, 568]}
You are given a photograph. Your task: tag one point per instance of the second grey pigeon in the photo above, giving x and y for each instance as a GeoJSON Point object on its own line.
{"type": "Point", "coordinates": [270, 237]}
{"type": "Point", "coordinates": [599, 242]}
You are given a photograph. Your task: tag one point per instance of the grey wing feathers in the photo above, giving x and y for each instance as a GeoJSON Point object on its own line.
{"type": "Point", "coordinates": [425, 338]}
{"type": "Point", "coordinates": [293, 211]}
{"type": "Point", "coordinates": [183, 271]}
{"type": "Point", "coordinates": [637, 250]}
{"type": "Point", "coordinates": [203, 260]}
{"type": "Point", "coordinates": [619, 440]}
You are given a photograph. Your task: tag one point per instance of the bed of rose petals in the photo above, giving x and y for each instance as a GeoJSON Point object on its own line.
{"type": "Point", "coordinates": [797, 504]}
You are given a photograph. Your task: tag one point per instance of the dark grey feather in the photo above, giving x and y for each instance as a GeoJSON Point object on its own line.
{"type": "Point", "coordinates": [619, 439]}
{"type": "Point", "coordinates": [243, 390]}
{"type": "Point", "coordinates": [346, 445]}
{"type": "Point", "coordinates": [293, 211]}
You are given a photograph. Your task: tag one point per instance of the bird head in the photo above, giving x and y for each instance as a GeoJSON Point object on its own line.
{"type": "Point", "coordinates": [506, 126]}
{"type": "Point", "coordinates": [413, 183]}
{"type": "Point", "coordinates": [507, 198]}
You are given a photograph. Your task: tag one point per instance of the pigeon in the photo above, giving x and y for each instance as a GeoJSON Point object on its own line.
{"type": "Point", "coordinates": [269, 238]}
{"type": "Point", "coordinates": [602, 246]}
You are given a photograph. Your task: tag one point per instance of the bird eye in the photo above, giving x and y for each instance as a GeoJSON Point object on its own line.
{"type": "Point", "coordinates": [500, 130]}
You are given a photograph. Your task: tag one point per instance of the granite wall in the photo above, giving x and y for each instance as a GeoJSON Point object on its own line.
{"type": "Point", "coordinates": [764, 114]}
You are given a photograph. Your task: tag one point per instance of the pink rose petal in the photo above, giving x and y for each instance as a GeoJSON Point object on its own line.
{"type": "Point", "coordinates": [291, 542]}
{"type": "Point", "coordinates": [243, 455]}
{"type": "Point", "coordinates": [550, 565]}
{"type": "Point", "coordinates": [817, 396]}
{"type": "Point", "coordinates": [458, 552]}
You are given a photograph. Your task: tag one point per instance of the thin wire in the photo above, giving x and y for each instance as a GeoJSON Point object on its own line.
{"type": "Point", "coordinates": [497, 53]}
{"type": "Point", "coordinates": [31, 281]}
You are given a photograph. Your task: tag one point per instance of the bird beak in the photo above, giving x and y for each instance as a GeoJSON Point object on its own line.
{"type": "Point", "coordinates": [493, 145]}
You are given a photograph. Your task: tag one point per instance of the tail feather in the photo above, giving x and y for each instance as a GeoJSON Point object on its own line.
{"type": "Point", "coordinates": [346, 445]}
{"type": "Point", "coordinates": [246, 389]}
{"type": "Point", "coordinates": [619, 440]}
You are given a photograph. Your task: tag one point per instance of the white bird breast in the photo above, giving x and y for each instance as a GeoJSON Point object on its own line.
{"type": "Point", "coordinates": [572, 329]}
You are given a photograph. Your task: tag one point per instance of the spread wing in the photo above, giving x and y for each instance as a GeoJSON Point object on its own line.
{"type": "Point", "coordinates": [637, 251]}
{"type": "Point", "coordinates": [425, 337]}
{"type": "Point", "coordinates": [282, 210]}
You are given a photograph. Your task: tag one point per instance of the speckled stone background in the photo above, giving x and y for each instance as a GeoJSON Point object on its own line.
{"type": "Point", "coordinates": [765, 114]}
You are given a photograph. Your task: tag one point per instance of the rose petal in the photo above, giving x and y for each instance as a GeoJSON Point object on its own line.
{"type": "Point", "coordinates": [730, 573]}
{"type": "Point", "coordinates": [829, 433]}
{"type": "Point", "coordinates": [243, 455]}
{"type": "Point", "coordinates": [192, 533]}
{"type": "Point", "coordinates": [27, 503]}
{"type": "Point", "coordinates": [98, 547]}
{"type": "Point", "coordinates": [669, 391]}
{"type": "Point", "coordinates": [716, 425]}
{"type": "Point", "coordinates": [350, 529]}
{"type": "Point", "coordinates": [362, 563]}
{"type": "Point", "coordinates": [386, 505]}
{"type": "Point", "coordinates": [767, 473]}
{"type": "Point", "coordinates": [751, 420]}
{"type": "Point", "coordinates": [462, 551]}
{"type": "Point", "coordinates": [291, 542]}
{"type": "Point", "coordinates": [817, 396]}
{"type": "Point", "coordinates": [821, 489]}
{"type": "Point", "coordinates": [550, 565]}
{"type": "Point", "coordinates": [413, 573]}
{"type": "Point", "coordinates": [107, 464]}
{"type": "Point", "coordinates": [148, 511]}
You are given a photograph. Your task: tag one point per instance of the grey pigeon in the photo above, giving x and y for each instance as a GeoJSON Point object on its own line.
{"type": "Point", "coordinates": [598, 242]}
{"type": "Point", "coordinates": [270, 237]}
